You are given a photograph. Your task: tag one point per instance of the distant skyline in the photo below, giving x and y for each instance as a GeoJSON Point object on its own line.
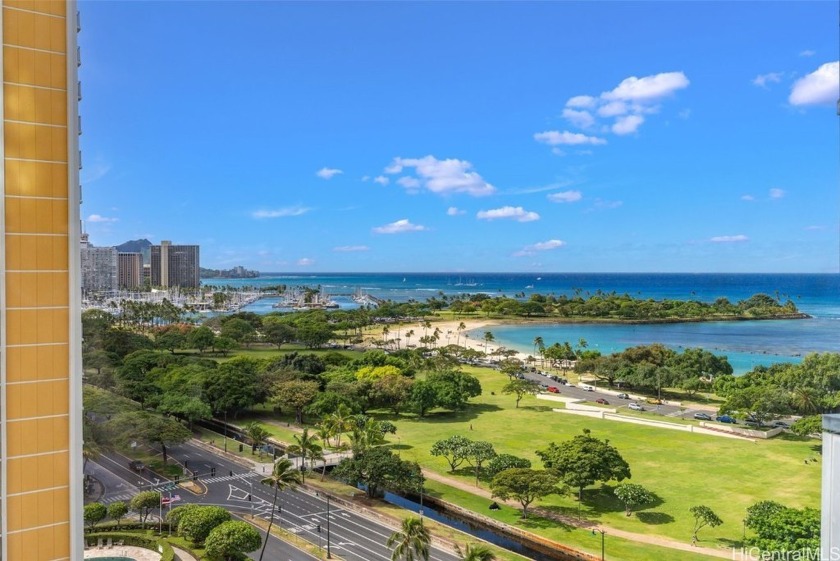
{"type": "Point", "coordinates": [548, 137]}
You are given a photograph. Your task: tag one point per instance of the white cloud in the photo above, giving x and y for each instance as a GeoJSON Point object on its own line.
{"type": "Point", "coordinates": [612, 109]}
{"type": "Point", "coordinates": [581, 101]}
{"type": "Point", "coordinates": [557, 152]}
{"type": "Point", "coordinates": [398, 227]}
{"type": "Point", "coordinates": [814, 228]}
{"type": "Point", "coordinates": [94, 171]}
{"type": "Point", "coordinates": [580, 119]}
{"type": "Point", "coordinates": [553, 138]}
{"type": "Point", "coordinates": [98, 218]}
{"type": "Point", "coordinates": [516, 213]}
{"type": "Point", "coordinates": [365, 178]}
{"type": "Point", "coordinates": [729, 239]}
{"type": "Point", "coordinates": [454, 211]}
{"type": "Point", "coordinates": [328, 173]}
{"type": "Point", "coordinates": [820, 86]}
{"type": "Point", "coordinates": [807, 52]}
{"type": "Point", "coordinates": [381, 179]}
{"type": "Point", "coordinates": [749, 198]}
{"type": "Point", "coordinates": [602, 204]}
{"type": "Point", "coordinates": [351, 248]}
{"type": "Point", "coordinates": [539, 246]}
{"type": "Point", "coordinates": [777, 193]}
{"type": "Point", "coordinates": [565, 197]}
{"type": "Point", "coordinates": [771, 77]}
{"type": "Point", "coordinates": [648, 88]}
{"type": "Point", "coordinates": [409, 182]}
{"type": "Point", "coordinates": [305, 261]}
{"type": "Point", "coordinates": [684, 114]}
{"type": "Point", "coordinates": [280, 212]}
{"type": "Point", "coordinates": [442, 176]}
{"type": "Point", "coordinates": [627, 124]}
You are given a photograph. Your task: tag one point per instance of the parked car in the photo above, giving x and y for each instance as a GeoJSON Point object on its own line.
{"type": "Point", "coordinates": [636, 407]}
{"type": "Point", "coordinates": [726, 419]}
{"type": "Point", "coordinates": [587, 387]}
{"type": "Point", "coordinates": [602, 401]}
{"type": "Point", "coordinates": [782, 424]}
{"type": "Point", "coordinates": [654, 401]}
{"type": "Point", "coordinates": [702, 416]}
{"type": "Point", "coordinates": [553, 389]}
{"type": "Point", "coordinates": [623, 396]}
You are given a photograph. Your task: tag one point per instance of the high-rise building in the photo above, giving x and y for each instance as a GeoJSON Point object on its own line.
{"type": "Point", "coordinates": [40, 284]}
{"type": "Point", "coordinates": [99, 267]}
{"type": "Point", "coordinates": [830, 531]}
{"type": "Point", "coordinates": [175, 265]}
{"type": "Point", "coordinates": [130, 270]}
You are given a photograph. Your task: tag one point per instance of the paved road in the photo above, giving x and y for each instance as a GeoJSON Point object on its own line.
{"type": "Point", "coordinates": [352, 536]}
{"type": "Point", "coordinates": [580, 393]}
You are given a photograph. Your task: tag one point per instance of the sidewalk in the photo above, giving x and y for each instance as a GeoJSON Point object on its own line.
{"type": "Point", "coordinates": [571, 521]}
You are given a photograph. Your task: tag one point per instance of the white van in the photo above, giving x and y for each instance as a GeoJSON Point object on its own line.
{"type": "Point", "coordinates": [587, 387]}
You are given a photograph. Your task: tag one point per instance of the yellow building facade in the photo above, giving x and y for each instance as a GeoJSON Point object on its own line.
{"type": "Point", "coordinates": [40, 325]}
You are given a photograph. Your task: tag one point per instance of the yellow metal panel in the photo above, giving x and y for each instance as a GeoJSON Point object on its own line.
{"type": "Point", "coordinates": [36, 216]}
{"type": "Point", "coordinates": [34, 105]}
{"type": "Point", "coordinates": [43, 6]}
{"type": "Point", "coordinates": [36, 179]}
{"type": "Point", "coordinates": [28, 327]}
{"type": "Point", "coordinates": [37, 436]}
{"type": "Point", "coordinates": [39, 509]}
{"type": "Point", "coordinates": [38, 472]}
{"type": "Point", "coordinates": [34, 31]}
{"type": "Point", "coordinates": [22, 66]}
{"type": "Point", "coordinates": [27, 253]}
{"type": "Point", "coordinates": [39, 399]}
{"type": "Point", "coordinates": [45, 362]}
{"type": "Point", "coordinates": [29, 290]}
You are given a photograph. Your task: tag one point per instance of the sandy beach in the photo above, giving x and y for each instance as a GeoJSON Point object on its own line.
{"type": "Point", "coordinates": [451, 335]}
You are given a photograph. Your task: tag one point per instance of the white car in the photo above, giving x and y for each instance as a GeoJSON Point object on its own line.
{"type": "Point", "coordinates": [636, 407]}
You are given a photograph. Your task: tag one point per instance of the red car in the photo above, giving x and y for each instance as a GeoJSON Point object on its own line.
{"type": "Point", "coordinates": [602, 401]}
{"type": "Point", "coordinates": [553, 389]}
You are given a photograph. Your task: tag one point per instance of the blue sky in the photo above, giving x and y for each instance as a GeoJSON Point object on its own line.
{"type": "Point", "coordinates": [442, 136]}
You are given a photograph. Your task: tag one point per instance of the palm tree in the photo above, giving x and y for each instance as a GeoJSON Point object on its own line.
{"type": "Point", "coordinates": [340, 422]}
{"type": "Point", "coordinates": [408, 335]}
{"type": "Point", "coordinates": [475, 552]}
{"type": "Point", "coordinates": [307, 448]}
{"type": "Point", "coordinates": [257, 434]}
{"type": "Point", "coordinates": [538, 342]}
{"type": "Point", "coordinates": [411, 542]}
{"type": "Point", "coordinates": [461, 326]}
{"type": "Point", "coordinates": [488, 338]}
{"type": "Point", "coordinates": [283, 475]}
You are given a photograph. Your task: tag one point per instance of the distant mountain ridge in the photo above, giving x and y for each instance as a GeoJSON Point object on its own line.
{"type": "Point", "coordinates": [134, 246]}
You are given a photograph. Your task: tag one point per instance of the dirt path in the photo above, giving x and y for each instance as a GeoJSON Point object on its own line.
{"type": "Point", "coordinates": [632, 536]}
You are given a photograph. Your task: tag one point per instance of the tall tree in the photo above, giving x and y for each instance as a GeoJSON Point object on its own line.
{"type": "Point", "coordinates": [475, 552]}
{"type": "Point", "coordinates": [297, 394]}
{"type": "Point", "coordinates": [284, 474]}
{"type": "Point", "coordinates": [411, 542]}
{"type": "Point", "coordinates": [632, 495]}
{"type": "Point", "coordinates": [583, 460]}
{"type": "Point", "coordinates": [306, 446]}
{"type": "Point", "coordinates": [232, 540]}
{"type": "Point", "coordinates": [524, 485]}
{"type": "Point", "coordinates": [703, 516]}
{"type": "Point", "coordinates": [454, 450]}
{"type": "Point", "coordinates": [521, 388]}
{"type": "Point", "coordinates": [379, 469]}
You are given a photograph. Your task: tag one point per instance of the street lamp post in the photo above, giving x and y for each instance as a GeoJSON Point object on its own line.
{"type": "Point", "coordinates": [603, 533]}
{"type": "Point", "coordinates": [326, 496]}
{"type": "Point", "coordinates": [225, 432]}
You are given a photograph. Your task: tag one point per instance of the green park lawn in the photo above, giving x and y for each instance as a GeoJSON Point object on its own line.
{"type": "Point", "coordinates": [683, 469]}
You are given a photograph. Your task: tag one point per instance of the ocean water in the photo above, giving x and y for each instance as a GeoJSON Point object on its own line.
{"type": "Point", "coordinates": [746, 344]}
